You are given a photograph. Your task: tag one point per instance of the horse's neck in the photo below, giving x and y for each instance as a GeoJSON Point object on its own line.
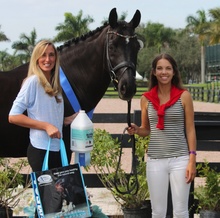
{"type": "Point", "coordinates": [85, 67]}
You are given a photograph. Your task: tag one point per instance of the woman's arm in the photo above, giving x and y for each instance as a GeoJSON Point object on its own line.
{"type": "Point", "coordinates": [190, 134]}
{"type": "Point", "coordinates": [25, 121]}
{"type": "Point", "coordinates": [144, 129]}
{"type": "Point", "coordinates": [68, 120]}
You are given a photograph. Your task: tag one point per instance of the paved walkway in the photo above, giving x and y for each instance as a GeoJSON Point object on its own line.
{"type": "Point", "coordinates": [119, 106]}
{"type": "Point", "coordinates": [103, 197]}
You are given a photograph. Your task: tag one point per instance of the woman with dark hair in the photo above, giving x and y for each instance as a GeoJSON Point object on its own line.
{"type": "Point", "coordinates": [167, 115]}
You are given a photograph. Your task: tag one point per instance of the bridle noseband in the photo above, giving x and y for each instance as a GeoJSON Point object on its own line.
{"type": "Point", "coordinates": [124, 64]}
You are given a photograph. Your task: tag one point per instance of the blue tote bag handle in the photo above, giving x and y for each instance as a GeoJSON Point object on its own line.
{"type": "Point", "coordinates": [63, 155]}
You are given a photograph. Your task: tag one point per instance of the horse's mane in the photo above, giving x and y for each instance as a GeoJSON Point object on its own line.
{"type": "Point", "coordinates": [82, 37]}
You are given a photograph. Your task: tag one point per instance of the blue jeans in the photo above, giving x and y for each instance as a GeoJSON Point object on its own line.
{"type": "Point", "coordinates": [159, 173]}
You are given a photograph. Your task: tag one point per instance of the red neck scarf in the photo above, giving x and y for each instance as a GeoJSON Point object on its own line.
{"type": "Point", "coordinates": [152, 96]}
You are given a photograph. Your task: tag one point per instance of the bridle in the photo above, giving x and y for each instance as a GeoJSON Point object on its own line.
{"type": "Point", "coordinates": [132, 184]}
{"type": "Point", "coordinates": [123, 64]}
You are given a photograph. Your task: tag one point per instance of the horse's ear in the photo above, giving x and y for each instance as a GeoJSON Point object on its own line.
{"type": "Point", "coordinates": [136, 19]}
{"type": "Point", "coordinates": [113, 18]}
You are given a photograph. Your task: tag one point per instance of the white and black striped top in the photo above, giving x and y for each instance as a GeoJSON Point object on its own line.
{"type": "Point", "coordinates": [171, 141]}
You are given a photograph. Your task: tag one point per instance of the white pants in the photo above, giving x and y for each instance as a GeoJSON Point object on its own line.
{"type": "Point", "coordinates": [159, 173]}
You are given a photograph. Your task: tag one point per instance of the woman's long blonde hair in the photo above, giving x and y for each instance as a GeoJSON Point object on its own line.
{"type": "Point", "coordinates": [52, 88]}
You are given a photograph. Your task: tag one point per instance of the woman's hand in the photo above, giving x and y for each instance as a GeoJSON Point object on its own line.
{"type": "Point", "coordinates": [133, 129]}
{"type": "Point", "coordinates": [69, 120]}
{"type": "Point", "coordinates": [52, 131]}
{"type": "Point", "coordinates": [190, 171]}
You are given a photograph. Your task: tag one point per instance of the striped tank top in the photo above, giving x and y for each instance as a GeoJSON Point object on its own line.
{"type": "Point", "coordinates": [171, 141]}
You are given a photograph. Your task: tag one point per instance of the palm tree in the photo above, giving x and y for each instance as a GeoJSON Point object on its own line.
{"type": "Point", "coordinates": [156, 38]}
{"type": "Point", "coordinates": [8, 62]}
{"type": "Point", "coordinates": [3, 56]}
{"type": "Point", "coordinates": [214, 27]}
{"type": "Point", "coordinates": [3, 37]}
{"type": "Point", "coordinates": [159, 36]}
{"type": "Point", "coordinates": [198, 25]}
{"type": "Point", "coordinates": [26, 44]}
{"type": "Point", "coordinates": [73, 26]}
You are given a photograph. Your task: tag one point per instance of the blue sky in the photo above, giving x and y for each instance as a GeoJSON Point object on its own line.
{"type": "Point", "coordinates": [22, 16]}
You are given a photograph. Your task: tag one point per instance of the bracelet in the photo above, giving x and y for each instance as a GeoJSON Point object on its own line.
{"type": "Point", "coordinates": [193, 152]}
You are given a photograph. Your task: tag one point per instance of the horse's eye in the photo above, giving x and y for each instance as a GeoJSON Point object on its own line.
{"type": "Point", "coordinates": [111, 47]}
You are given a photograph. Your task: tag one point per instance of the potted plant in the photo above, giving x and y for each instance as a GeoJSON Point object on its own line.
{"type": "Point", "coordinates": [12, 185]}
{"type": "Point", "coordinates": [105, 159]}
{"type": "Point", "coordinates": [208, 195]}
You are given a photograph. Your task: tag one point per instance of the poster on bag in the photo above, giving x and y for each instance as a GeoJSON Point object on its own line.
{"type": "Point", "coordinates": [60, 193]}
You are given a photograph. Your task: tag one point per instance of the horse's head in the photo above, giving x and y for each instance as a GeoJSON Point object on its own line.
{"type": "Point", "coordinates": [122, 49]}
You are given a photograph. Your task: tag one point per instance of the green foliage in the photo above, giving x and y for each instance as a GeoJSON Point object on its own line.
{"type": "Point", "coordinates": [105, 158]}
{"type": "Point", "coordinates": [73, 26]}
{"type": "Point", "coordinates": [26, 44]}
{"type": "Point", "coordinates": [209, 194]}
{"type": "Point", "coordinates": [11, 182]}
{"type": "Point", "coordinates": [3, 37]}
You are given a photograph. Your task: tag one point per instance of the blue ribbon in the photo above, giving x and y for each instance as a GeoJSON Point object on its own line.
{"type": "Point", "coordinates": [70, 94]}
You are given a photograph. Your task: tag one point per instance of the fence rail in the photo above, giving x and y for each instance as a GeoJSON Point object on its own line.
{"type": "Point", "coordinates": [207, 126]}
{"type": "Point", "coordinates": [205, 94]}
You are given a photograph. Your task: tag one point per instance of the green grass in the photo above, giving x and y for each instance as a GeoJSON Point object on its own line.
{"type": "Point", "coordinates": [196, 91]}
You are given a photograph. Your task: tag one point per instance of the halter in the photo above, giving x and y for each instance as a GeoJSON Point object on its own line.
{"type": "Point", "coordinates": [123, 64]}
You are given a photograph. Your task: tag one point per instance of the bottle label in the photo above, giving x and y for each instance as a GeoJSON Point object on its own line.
{"type": "Point", "coordinates": [81, 140]}
{"type": "Point", "coordinates": [82, 134]}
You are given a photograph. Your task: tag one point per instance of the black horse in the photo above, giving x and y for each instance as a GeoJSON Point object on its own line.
{"type": "Point", "coordinates": [89, 63]}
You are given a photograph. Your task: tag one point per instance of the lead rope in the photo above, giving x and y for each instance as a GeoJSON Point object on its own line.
{"type": "Point", "coordinates": [132, 186]}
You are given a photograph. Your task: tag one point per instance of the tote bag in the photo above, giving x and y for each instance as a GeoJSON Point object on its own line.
{"type": "Point", "coordinates": [60, 192]}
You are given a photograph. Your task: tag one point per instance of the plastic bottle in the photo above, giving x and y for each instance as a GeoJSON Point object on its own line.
{"type": "Point", "coordinates": [81, 138]}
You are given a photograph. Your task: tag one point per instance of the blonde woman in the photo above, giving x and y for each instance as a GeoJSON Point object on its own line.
{"type": "Point", "coordinates": [41, 97]}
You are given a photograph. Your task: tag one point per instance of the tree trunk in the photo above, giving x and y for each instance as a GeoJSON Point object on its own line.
{"type": "Point", "coordinates": [202, 64]}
